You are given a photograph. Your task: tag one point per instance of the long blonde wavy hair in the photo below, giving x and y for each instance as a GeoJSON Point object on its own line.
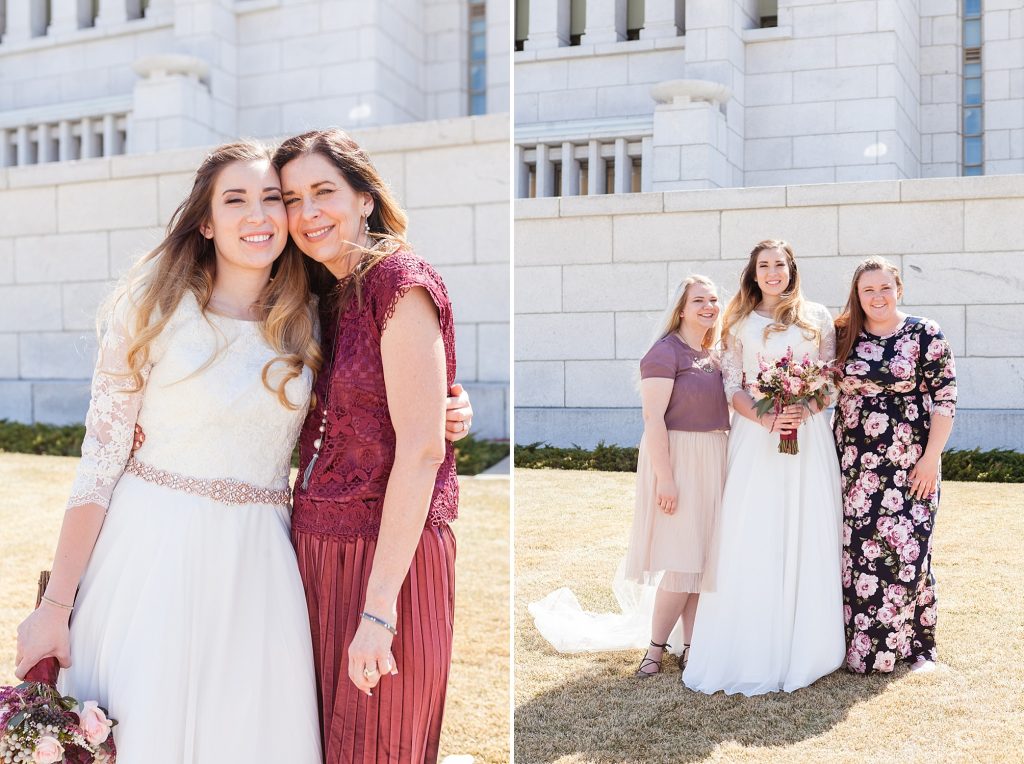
{"type": "Point", "coordinates": [791, 309]}
{"type": "Point", "coordinates": [387, 221]}
{"type": "Point", "coordinates": [850, 322]}
{"type": "Point", "coordinates": [671, 319]}
{"type": "Point", "coordinates": [186, 261]}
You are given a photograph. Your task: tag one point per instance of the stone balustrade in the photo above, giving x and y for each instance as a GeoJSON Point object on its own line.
{"type": "Point", "coordinates": [75, 130]}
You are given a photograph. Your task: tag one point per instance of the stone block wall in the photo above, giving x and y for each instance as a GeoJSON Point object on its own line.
{"type": "Point", "coordinates": [593, 275]}
{"type": "Point", "coordinates": [68, 230]}
{"type": "Point", "coordinates": [839, 91]}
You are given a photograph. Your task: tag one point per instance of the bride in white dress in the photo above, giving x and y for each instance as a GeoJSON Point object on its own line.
{"type": "Point", "coordinates": [190, 624]}
{"type": "Point", "coordinates": [774, 620]}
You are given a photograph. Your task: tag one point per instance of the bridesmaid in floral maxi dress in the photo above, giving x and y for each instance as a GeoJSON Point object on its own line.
{"type": "Point", "coordinates": [894, 416]}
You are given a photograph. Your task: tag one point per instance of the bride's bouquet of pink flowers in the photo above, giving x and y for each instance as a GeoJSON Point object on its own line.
{"type": "Point", "coordinates": [40, 726]}
{"type": "Point", "coordinates": [788, 382]}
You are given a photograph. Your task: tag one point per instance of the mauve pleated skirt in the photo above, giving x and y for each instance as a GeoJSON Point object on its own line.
{"type": "Point", "coordinates": [401, 722]}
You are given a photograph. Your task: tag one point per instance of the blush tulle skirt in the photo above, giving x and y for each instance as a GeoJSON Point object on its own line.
{"type": "Point", "coordinates": [675, 551]}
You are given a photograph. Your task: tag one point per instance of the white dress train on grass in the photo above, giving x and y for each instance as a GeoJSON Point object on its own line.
{"type": "Point", "coordinates": [775, 618]}
{"type": "Point", "coordinates": [190, 623]}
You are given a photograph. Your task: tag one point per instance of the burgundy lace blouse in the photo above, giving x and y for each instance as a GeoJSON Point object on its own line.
{"type": "Point", "coordinates": [345, 494]}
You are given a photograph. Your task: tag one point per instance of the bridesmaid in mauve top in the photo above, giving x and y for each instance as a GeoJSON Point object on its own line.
{"type": "Point", "coordinates": [681, 466]}
{"type": "Point", "coordinates": [335, 523]}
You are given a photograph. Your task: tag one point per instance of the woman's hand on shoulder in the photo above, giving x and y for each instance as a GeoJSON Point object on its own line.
{"type": "Point", "coordinates": [459, 414]}
{"type": "Point", "coordinates": [44, 634]}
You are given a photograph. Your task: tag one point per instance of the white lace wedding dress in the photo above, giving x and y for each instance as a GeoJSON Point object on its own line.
{"type": "Point", "coordinates": [774, 620]}
{"type": "Point", "coordinates": [190, 623]}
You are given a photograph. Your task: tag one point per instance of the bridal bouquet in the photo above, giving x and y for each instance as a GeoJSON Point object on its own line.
{"type": "Point", "coordinates": [39, 726]}
{"type": "Point", "coordinates": [787, 382]}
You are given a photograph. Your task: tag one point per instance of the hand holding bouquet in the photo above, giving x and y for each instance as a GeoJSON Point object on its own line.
{"type": "Point", "coordinates": [39, 726]}
{"type": "Point", "coordinates": [786, 383]}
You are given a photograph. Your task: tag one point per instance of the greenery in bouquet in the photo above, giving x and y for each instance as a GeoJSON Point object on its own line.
{"type": "Point", "coordinates": [40, 726]}
{"type": "Point", "coordinates": [788, 382]}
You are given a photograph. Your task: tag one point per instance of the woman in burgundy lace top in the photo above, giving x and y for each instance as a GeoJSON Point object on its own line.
{"type": "Point", "coordinates": [377, 485]}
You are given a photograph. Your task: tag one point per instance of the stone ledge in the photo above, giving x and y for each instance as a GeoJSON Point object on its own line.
{"type": "Point", "coordinates": [623, 47]}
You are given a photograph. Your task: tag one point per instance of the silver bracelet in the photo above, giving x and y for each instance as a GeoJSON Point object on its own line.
{"type": "Point", "coordinates": [380, 622]}
{"type": "Point", "coordinates": [62, 606]}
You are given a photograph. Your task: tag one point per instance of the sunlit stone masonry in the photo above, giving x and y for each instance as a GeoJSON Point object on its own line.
{"type": "Point", "coordinates": [106, 108]}
{"type": "Point", "coordinates": [660, 138]}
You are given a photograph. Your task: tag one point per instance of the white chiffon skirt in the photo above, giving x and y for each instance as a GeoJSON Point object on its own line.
{"type": "Point", "coordinates": [191, 629]}
{"type": "Point", "coordinates": [775, 619]}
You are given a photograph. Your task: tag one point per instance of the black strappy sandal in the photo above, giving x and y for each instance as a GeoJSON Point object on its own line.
{"type": "Point", "coordinates": [640, 673]}
{"type": "Point", "coordinates": [684, 657]}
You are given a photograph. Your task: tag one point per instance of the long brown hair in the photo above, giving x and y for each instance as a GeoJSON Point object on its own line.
{"type": "Point", "coordinates": [387, 221]}
{"type": "Point", "coordinates": [672, 320]}
{"type": "Point", "coordinates": [186, 261]}
{"type": "Point", "coordinates": [791, 309]}
{"type": "Point", "coordinates": [850, 322]}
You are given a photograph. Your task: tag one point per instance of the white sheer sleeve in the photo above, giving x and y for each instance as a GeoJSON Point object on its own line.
{"type": "Point", "coordinates": [827, 342]}
{"type": "Point", "coordinates": [110, 423]}
{"type": "Point", "coordinates": [732, 367]}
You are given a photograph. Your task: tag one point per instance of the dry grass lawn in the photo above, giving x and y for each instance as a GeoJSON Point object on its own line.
{"type": "Point", "coordinates": [477, 714]}
{"type": "Point", "coordinates": [571, 529]}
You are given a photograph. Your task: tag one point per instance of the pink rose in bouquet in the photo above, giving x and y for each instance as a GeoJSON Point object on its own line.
{"type": "Point", "coordinates": [787, 382]}
{"type": "Point", "coordinates": [48, 750]}
{"type": "Point", "coordinates": [94, 722]}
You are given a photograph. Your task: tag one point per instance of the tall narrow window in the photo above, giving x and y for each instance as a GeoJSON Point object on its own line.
{"type": "Point", "coordinates": [973, 95]}
{"type": "Point", "coordinates": [477, 57]}
{"type": "Point", "coordinates": [768, 13]}
{"type": "Point", "coordinates": [522, 29]}
{"type": "Point", "coordinates": [577, 20]}
{"type": "Point", "coordinates": [634, 18]}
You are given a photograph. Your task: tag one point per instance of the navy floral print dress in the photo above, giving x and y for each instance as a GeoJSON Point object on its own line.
{"type": "Point", "coordinates": [891, 388]}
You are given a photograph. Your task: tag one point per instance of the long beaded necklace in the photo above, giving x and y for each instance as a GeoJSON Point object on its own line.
{"type": "Point", "coordinates": [334, 356]}
{"type": "Point", "coordinates": [323, 420]}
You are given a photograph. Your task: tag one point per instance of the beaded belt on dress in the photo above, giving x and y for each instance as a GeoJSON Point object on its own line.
{"type": "Point", "coordinates": [225, 490]}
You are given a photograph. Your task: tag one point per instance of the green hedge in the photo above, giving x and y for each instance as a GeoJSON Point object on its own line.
{"type": "Point", "coordinates": [48, 439]}
{"type": "Point", "coordinates": [998, 466]}
{"type": "Point", "coordinates": [604, 457]}
{"type": "Point", "coordinates": [471, 455]}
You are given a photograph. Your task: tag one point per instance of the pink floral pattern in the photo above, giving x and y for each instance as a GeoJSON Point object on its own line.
{"type": "Point", "coordinates": [890, 388]}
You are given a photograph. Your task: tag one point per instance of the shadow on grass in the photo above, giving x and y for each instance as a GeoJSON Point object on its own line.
{"type": "Point", "coordinates": [617, 718]}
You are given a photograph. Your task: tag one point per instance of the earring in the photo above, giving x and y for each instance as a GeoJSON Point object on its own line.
{"type": "Point", "coordinates": [366, 224]}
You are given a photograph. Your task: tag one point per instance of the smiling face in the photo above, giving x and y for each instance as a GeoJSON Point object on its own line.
{"type": "Point", "coordinates": [878, 293]}
{"type": "Point", "coordinates": [247, 220]}
{"type": "Point", "coordinates": [772, 272]}
{"type": "Point", "coordinates": [325, 214]}
{"type": "Point", "coordinates": [700, 309]}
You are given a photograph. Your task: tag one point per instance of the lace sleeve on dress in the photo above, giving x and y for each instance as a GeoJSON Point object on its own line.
{"type": "Point", "coordinates": [732, 367]}
{"type": "Point", "coordinates": [827, 341]}
{"type": "Point", "coordinates": [110, 423]}
{"type": "Point", "coordinates": [938, 369]}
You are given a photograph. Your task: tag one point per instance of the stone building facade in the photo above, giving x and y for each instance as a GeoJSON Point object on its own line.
{"type": "Point", "coordinates": [106, 109]}
{"type": "Point", "coordinates": [666, 95]}
{"type": "Point", "coordinates": [844, 126]}
{"type": "Point", "coordinates": [593, 275]}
